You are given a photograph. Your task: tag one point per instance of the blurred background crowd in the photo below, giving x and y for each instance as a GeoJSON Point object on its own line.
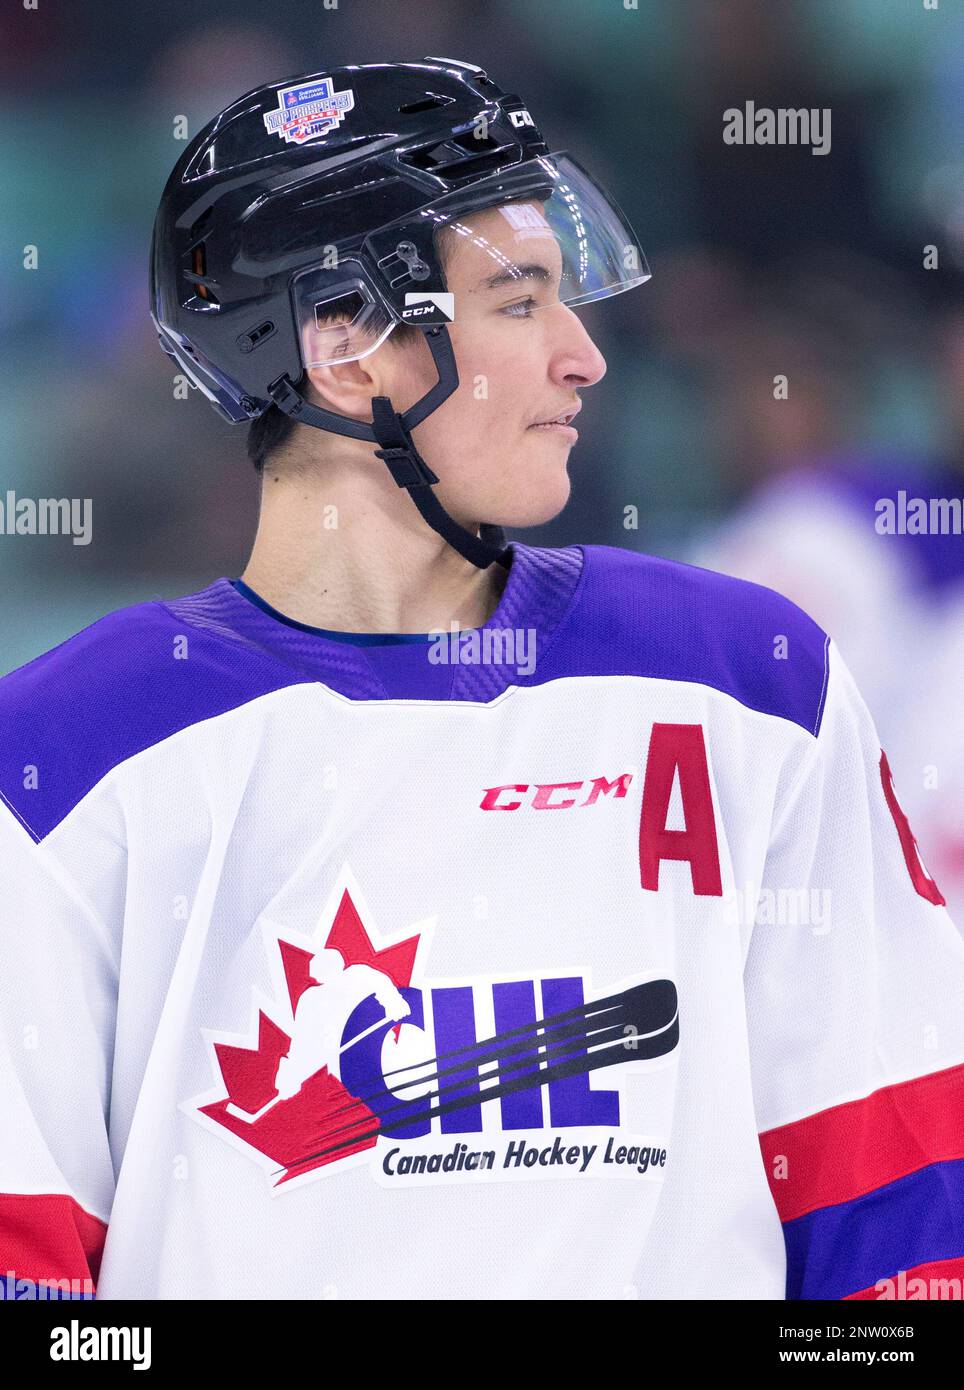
{"type": "Point", "coordinates": [766, 260]}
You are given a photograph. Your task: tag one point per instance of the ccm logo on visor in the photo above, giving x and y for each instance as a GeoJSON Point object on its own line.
{"type": "Point", "coordinates": [429, 308]}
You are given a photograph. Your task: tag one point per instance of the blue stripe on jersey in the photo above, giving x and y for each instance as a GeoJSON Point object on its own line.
{"type": "Point", "coordinates": [644, 616]}
{"type": "Point", "coordinates": [842, 1249]}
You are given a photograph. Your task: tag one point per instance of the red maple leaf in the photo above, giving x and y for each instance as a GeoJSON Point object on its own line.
{"type": "Point", "coordinates": [324, 1119]}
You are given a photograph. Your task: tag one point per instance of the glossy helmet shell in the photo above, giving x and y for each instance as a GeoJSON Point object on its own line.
{"type": "Point", "coordinates": [247, 209]}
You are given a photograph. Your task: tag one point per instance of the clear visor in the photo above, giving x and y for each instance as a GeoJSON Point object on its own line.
{"type": "Point", "coordinates": [541, 234]}
{"type": "Point", "coordinates": [566, 234]}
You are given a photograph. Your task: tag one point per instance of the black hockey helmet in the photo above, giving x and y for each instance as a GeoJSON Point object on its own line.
{"type": "Point", "coordinates": [300, 226]}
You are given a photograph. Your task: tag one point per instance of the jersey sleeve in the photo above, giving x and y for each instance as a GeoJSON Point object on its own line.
{"type": "Point", "coordinates": [57, 1013]}
{"type": "Point", "coordinates": [854, 983]}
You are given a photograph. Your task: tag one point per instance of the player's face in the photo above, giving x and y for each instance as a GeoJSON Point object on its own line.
{"type": "Point", "coordinates": [522, 357]}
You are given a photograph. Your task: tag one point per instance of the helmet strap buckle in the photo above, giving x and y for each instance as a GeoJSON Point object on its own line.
{"type": "Point", "coordinates": [405, 463]}
{"type": "Point", "coordinates": [393, 433]}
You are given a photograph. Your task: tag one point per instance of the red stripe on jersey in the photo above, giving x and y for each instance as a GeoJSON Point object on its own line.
{"type": "Point", "coordinates": [48, 1236]}
{"type": "Point", "coordinates": [902, 1286]}
{"type": "Point", "coordinates": [848, 1150]}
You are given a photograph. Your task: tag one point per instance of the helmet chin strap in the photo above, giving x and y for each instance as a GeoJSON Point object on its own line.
{"type": "Point", "coordinates": [393, 432]}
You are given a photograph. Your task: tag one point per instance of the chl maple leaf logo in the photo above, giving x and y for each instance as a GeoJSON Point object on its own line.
{"type": "Point", "coordinates": [284, 1096]}
{"type": "Point", "coordinates": [347, 1052]}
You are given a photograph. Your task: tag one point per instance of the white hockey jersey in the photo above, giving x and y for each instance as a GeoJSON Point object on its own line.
{"type": "Point", "coordinates": [588, 955]}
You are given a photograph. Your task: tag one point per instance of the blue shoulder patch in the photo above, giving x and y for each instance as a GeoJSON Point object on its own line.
{"type": "Point", "coordinates": [640, 615]}
{"type": "Point", "coordinates": [110, 691]}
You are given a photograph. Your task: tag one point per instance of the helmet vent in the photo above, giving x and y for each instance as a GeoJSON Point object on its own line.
{"type": "Point", "coordinates": [463, 154]}
{"type": "Point", "coordinates": [247, 342]}
{"type": "Point", "coordinates": [198, 275]}
{"type": "Point", "coordinates": [476, 144]}
{"type": "Point", "coordinates": [199, 227]}
{"type": "Point", "coordinates": [427, 103]}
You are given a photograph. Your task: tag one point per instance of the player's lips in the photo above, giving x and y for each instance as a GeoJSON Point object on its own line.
{"type": "Point", "coordinates": [560, 424]}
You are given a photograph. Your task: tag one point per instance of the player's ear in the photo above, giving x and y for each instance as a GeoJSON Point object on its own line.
{"type": "Point", "coordinates": [401, 371]}
{"type": "Point", "coordinates": [347, 388]}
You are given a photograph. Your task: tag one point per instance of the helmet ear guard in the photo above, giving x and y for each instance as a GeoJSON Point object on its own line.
{"type": "Point", "coordinates": [204, 377]}
{"type": "Point", "coordinates": [340, 315]}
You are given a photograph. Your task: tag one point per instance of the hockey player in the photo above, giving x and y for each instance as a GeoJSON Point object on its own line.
{"type": "Point", "coordinates": [695, 1033]}
{"type": "Point", "coordinates": [323, 1013]}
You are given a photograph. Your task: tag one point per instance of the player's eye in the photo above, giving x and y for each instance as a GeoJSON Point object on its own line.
{"type": "Point", "coordinates": [521, 309]}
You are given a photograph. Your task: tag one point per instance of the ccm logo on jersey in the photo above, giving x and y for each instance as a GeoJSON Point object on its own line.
{"type": "Point", "coordinates": [429, 306]}
{"type": "Point", "coordinates": [676, 757]}
{"type": "Point", "coordinates": [542, 796]}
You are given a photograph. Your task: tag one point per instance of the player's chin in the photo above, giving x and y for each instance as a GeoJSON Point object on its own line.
{"type": "Point", "coordinates": [546, 494]}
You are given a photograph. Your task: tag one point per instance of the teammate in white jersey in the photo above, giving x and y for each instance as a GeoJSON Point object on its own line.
{"type": "Point", "coordinates": [603, 1043]}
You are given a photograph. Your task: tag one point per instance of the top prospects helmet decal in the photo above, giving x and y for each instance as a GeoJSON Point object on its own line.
{"type": "Point", "coordinates": [309, 111]}
{"type": "Point", "coordinates": [360, 1059]}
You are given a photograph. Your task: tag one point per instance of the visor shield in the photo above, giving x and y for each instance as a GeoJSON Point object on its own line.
{"type": "Point", "coordinates": [543, 226]}
{"type": "Point", "coordinates": [566, 226]}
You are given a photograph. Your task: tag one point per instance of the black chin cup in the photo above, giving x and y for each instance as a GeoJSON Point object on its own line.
{"type": "Point", "coordinates": [393, 433]}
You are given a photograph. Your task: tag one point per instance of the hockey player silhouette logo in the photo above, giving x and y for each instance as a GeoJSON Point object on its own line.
{"type": "Point", "coordinates": [356, 1057]}
{"type": "Point", "coordinates": [334, 992]}
{"type": "Point", "coordinates": [324, 1011]}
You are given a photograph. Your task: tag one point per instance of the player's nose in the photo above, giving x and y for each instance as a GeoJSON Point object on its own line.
{"type": "Point", "coordinates": [576, 361]}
